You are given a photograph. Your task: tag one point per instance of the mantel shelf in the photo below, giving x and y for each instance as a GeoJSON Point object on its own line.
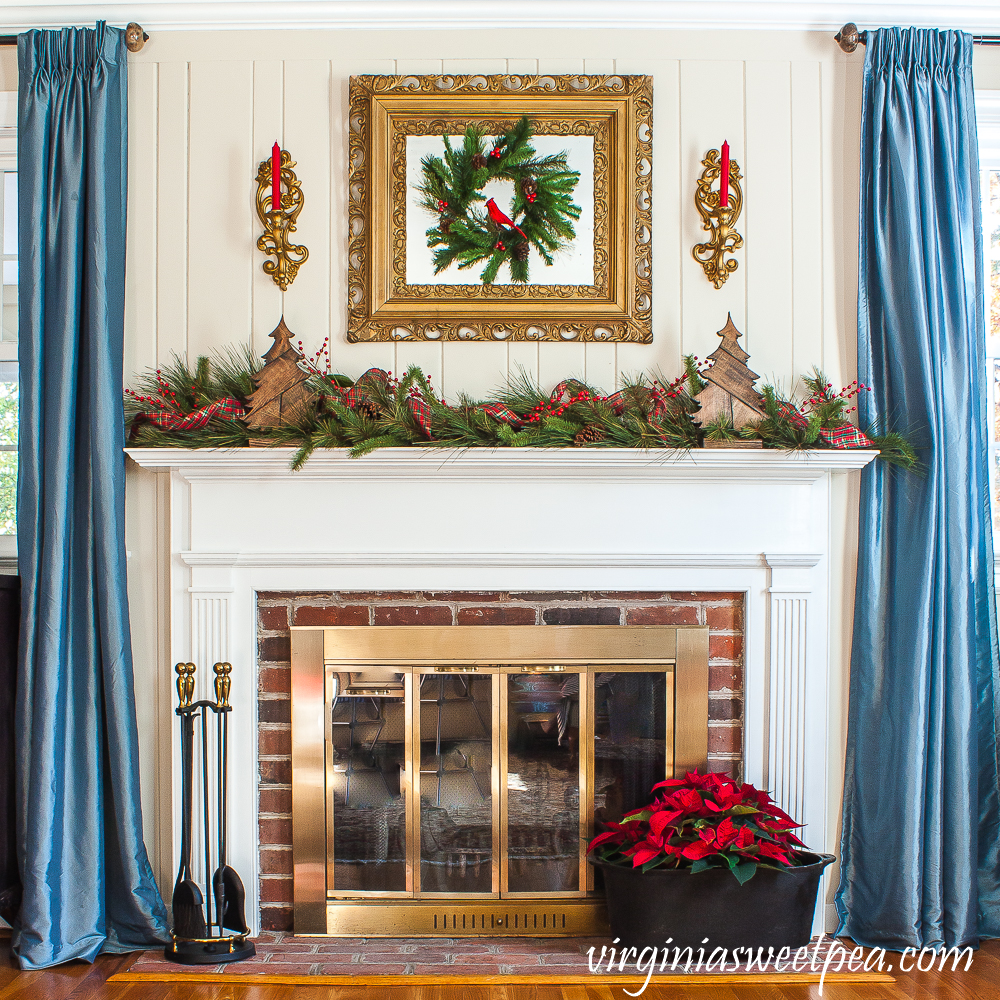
{"type": "Point", "coordinates": [441, 464]}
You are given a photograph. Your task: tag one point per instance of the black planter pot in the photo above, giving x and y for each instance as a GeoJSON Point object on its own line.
{"type": "Point", "coordinates": [773, 909]}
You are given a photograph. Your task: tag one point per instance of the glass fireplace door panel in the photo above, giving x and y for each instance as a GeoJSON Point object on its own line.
{"type": "Point", "coordinates": [455, 722]}
{"type": "Point", "coordinates": [366, 780]}
{"type": "Point", "coordinates": [633, 729]}
{"type": "Point", "coordinates": [543, 829]}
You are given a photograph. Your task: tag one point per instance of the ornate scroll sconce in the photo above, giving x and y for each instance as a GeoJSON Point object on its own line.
{"type": "Point", "coordinates": [719, 220]}
{"type": "Point", "coordinates": [278, 212]}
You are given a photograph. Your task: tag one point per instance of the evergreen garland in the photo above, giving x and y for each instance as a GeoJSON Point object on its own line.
{"type": "Point", "coordinates": [542, 212]}
{"type": "Point", "coordinates": [648, 412]}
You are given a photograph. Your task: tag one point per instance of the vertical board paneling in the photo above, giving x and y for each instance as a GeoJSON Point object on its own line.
{"type": "Point", "coordinates": [171, 113]}
{"type": "Point", "coordinates": [307, 135]}
{"type": "Point", "coordinates": [222, 186]}
{"type": "Point", "coordinates": [193, 287]}
{"type": "Point", "coordinates": [522, 359]}
{"type": "Point", "coordinates": [601, 367]}
{"type": "Point", "coordinates": [426, 355]}
{"type": "Point", "coordinates": [268, 128]}
{"type": "Point", "coordinates": [476, 369]}
{"type": "Point", "coordinates": [807, 197]}
{"type": "Point", "coordinates": [842, 85]}
{"type": "Point", "coordinates": [768, 221]}
{"type": "Point", "coordinates": [140, 263]}
{"type": "Point", "coordinates": [522, 65]}
{"type": "Point", "coordinates": [352, 359]}
{"type": "Point", "coordinates": [671, 204]}
{"type": "Point", "coordinates": [559, 361]}
{"type": "Point", "coordinates": [712, 111]}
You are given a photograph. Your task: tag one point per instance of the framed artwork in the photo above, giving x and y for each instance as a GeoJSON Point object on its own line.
{"type": "Point", "coordinates": [500, 208]}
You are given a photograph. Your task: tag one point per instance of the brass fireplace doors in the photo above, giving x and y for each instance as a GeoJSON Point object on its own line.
{"type": "Point", "coordinates": [448, 780]}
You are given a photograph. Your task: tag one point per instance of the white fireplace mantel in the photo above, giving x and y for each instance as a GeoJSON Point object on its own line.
{"type": "Point", "coordinates": [516, 519]}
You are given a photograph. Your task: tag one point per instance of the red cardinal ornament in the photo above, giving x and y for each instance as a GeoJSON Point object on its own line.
{"type": "Point", "coordinates": [499, 218]}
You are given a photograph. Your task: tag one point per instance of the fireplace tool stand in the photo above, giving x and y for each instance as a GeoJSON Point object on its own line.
{"type": "Point", "coordinates": [199, 936]}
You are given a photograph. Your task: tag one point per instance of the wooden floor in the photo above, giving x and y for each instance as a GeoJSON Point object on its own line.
{"type": "Point", "coordinates": [79, 981]}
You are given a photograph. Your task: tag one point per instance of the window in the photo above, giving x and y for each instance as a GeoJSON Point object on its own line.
{"type": "Point", "coordinates": [988, 117]}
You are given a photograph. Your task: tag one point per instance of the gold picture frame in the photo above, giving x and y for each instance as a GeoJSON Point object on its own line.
{"type": "Point", "coordinates": [614, 112]}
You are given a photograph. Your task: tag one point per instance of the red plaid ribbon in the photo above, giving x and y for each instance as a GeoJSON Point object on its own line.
{"type": "Point", "coordinates": [171, 420]}
{"type": "Point", "coordinates": [422, 412]}
{"type": "Point", "coordinates": [502, 413]}
{"type": "Point", "coordinates": [793, 416]}
{"type": "Point", "coordinates": [657, 403]}
{"type": "Point", "coordinates": [617, 402]}
{"type": "Point", "coordinates": [846, 436]}
{"type": "Point", "coordinates": [567, 388]}
{"type": "Point", "coordinates": [356, 393]}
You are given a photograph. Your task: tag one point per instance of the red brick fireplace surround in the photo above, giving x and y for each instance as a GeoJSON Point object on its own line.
{"type": "Point", "coordinates": [722, 612]}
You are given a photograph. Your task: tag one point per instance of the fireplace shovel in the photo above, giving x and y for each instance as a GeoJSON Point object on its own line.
{"type": "Point", "coordinates": [230, 896]}
{"type": "Point", "coordinates": [189, 915]}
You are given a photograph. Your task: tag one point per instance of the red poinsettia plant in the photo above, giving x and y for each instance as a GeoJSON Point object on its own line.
{"type": "Point", "coordinates": [702, 821]}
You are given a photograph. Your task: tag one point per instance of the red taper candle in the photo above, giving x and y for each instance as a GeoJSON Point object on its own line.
{"type": "Point", "coordinates": [724, 177]}
{"type": "Point", "coordinates": [276, 177]}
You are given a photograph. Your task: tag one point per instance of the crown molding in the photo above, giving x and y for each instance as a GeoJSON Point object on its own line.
{"type": "Point", "coordinates": [167, 15]}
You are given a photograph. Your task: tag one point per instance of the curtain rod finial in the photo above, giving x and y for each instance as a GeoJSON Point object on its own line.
{"type": "Point", "coordinates": [135, 37]}
{"type": "Point", "coordinates": [848, 38]}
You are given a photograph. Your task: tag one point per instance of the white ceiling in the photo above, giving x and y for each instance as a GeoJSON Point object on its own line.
{"type": "Point", "coordinates": [161, 15]}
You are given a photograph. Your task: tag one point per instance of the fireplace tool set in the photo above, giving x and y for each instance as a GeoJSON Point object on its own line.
{"type": "Point", "coordinates": [199, 934]}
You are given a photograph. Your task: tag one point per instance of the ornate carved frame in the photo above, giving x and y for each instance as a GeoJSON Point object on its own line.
{"type": "Point", "coordinates": [615, 110]}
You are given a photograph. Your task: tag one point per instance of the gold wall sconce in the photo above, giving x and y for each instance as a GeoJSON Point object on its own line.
{"type": "Point", "coordinates": [718, 218]}
{"type": "Point", "coordinates": [278, 211]}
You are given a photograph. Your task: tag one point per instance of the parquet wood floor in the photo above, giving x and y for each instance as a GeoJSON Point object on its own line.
{"type": "Point", "coordinates": [79, 981]}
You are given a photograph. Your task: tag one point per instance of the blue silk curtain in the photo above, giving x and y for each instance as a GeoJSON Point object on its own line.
{"type": "Point", "coordinates": [88, 886]}
{"type": "Point", "coordinates": [920, 854]}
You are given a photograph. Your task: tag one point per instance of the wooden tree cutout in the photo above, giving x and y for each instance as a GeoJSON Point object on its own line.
{"type": "Point", "coordinates": [281, 396]}
{"type": "Point", "coordinates": [730, 392]}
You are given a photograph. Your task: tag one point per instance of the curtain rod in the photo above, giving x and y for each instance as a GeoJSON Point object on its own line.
{"type": "Point", "coordinates": [135, 37]}
{"type": "Point", "coordinates": [849, 38]}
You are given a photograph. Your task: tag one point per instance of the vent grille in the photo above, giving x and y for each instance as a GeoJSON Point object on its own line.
{"type": "Point", "coordinates": [490, 923]}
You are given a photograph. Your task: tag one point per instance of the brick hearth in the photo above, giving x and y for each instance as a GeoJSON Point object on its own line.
{"type": "Point", "coordinates": [276, 611]}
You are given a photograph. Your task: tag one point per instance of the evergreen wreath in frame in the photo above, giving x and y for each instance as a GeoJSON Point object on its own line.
{"type": "Point", "coordinates": [467, 234]}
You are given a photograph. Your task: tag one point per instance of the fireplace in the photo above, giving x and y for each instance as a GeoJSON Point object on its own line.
{"type": "Point", "coordinates": [768, 526]}
{"type": "Point", "coordinates": [445, 781]}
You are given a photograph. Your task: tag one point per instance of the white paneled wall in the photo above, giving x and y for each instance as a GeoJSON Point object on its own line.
{"type": "Point", "coordinates": [206, 107]}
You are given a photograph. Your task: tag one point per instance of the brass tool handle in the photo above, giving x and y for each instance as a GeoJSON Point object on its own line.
{"type": "Point", "coordinates": [222, 684]}
{"type": "Point", "coordinates": [185, 683]}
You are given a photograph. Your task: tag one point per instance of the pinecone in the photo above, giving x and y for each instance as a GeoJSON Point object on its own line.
{"type": "Point", "coordinates": [478, 161]}
{"type": "Point", "coordinates": [366, 408]}
{"type": "Point", "coordinates": [445, 224]}
{"type": "Point", "coordinates": [529, 186]}
{"type": "Point", "coordinates": [520, 250]}
{"type": "Point", "coordinates": [591, 434]}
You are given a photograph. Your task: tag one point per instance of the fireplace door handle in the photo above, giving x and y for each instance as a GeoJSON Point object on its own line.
{"type": "Point", "coordinates": [543, 668]}
{"type": "Point", "coordinates": [463, 669]}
